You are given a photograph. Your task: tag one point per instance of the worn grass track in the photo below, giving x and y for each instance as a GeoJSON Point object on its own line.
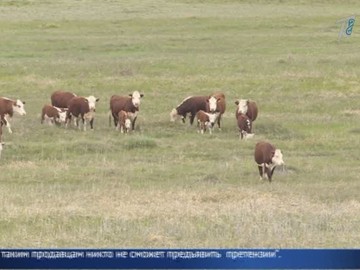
{"type": "Point", "coordinates": [165, 185]}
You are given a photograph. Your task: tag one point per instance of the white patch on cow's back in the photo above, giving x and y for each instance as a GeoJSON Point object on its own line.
{"type": "Point", "coordinates": [184, 100]}
{"type": "Point", "coordinates": [242, 106]}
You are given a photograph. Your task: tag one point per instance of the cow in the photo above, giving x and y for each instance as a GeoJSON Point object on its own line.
{"type": "Point", "coordinates": [192, 105]}
{"type": "Point", "coordinates": [53, 115]}
{"type": "Point", "coordinates": [124, 121]}
{"type": "Point", "coordinates": [8, 107]}
{"type": "Point", "coordinates": [267, 158]}
{"type": "Point", "coordinates": [247, 107]}
{"type": "Point", "coordinates": [206, 120]}
{"type": "Point", "coordinates": [245, 126]}
{"type": "Point", "coordinates": [61, 98]}
{"type": "Point", "coordinates": [220, 106]}
{"type": "Point", "coordinates": [81, 107]}
{"type": "Point", "coordinates": [129, 103]}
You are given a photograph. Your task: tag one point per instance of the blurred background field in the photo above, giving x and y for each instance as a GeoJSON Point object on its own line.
{"type": "Point", "coordinates": [165, 185]}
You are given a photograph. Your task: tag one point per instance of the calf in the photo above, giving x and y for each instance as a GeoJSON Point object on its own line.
{"type": "Point", "coordinates": [8, 107]}
{"type": "Point", "coordinates": [206, 120]}
{"type": "Point", "coordinates": [247, 107]}
{"type": "Point", "coordinates": [81, 107]}
{"type": "Point", "coordinates": [52, 114]}
{"type": "Point", "coordinates": [124, 121]}
{"type": "Point", "coordinates": [245, 126]}
{"type": "Point", "coordinates": [61, 98]}
{"type": "Point", "coordinates": [129, 103]}
{"type": "Point", "coordinates": [192, 105]}
{"type": "Point", "coordinates": [267, 158]}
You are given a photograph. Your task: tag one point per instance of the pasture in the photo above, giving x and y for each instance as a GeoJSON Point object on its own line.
{"type": "Point", "coordinates": [165, 185]}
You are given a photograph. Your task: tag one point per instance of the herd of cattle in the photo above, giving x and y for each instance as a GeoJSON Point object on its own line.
{"type": "Point", "coordinates": [208, 111]}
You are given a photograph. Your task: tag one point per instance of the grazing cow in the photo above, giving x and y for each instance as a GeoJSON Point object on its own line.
{"type": "Point", "coordinates": [124, 121]}
{"type": "Point", "coordinates": [81, 107]}
{"type": "Point", "coordinates": [220, 106]}
{"type": "Point", "coordinates": [247, 107]}
{"type": "Point", "coordinates": [129, 103]}
{"type": "Point", "coordinates": [267, 158]}
{"type": "Point", "coordinates": [206, 120]}
{"type": "Point", "coordinates": [192, 105]}
{"type": "Point", "coordinates": [53, 115]}
{"type": "Point", "coordinates": [245, 126]}
{"type": "Point", "coordinates": [8, 107]}
{"type": "Point", "coordinates": [61, 99]}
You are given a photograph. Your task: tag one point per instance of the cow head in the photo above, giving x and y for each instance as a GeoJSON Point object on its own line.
{"type": "Point", "coordinates": [212, 103]}
{"type": "Point", "coordinates": [92, 102]}
{"type": "Point", "coordinates": [174, 115]}
{"type": "Point", "coordinates": [136, 98]}
{"type": "Point", "coordinates": [18, 106]}
{"type": "Point", "coordinates": [242, 105]}
{"type": "Point", "coordinates": [212, 118]}
{"type": "Point", "coordinates": [127, 124]}
{"type": "Point", "coordinates": [62, 116]}
{"type": "Point", "coordinates": [277, 158]}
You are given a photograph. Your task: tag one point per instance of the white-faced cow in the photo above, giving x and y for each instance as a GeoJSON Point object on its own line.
{"type": "Point", "coordinates": [245, 126]}
{"type": "Point", "coordinates": [192, 105]}
{"type": "Point", "coordinates": [61, 98]}
{"type": "Point", "coordinates": [206, 121]}
{"type": "Point", "coordinates": [247, 107]}
{"type": "Point", "coordinates": [267, 158]}
{"type": "Point", "coordinates": [220, 106]}
{"type": "Point", "coordinates": [129, 103]}
{"type": "Point", "coordinates": [53, 115]}
{"type": "Point", "coordinates": [8, 107]}
{"type": "Point", "coordinates": [124, 121]}
{"type": "Point", "coordinates": [83, 108]}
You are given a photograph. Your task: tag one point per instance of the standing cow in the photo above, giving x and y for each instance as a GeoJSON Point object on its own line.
{"type": "Point", "coordinates": [267, 158]}
{"type": "Point", "coordinates": [130, 104]}
{"type": "Point", "coordinates": [83, 108]}
{"type": "Point", "coordinates": [247, 107]}
{"type": "Point", "coordinates": [53, 115]}
{"type": "Point", "coordinates": [61, 98]}
{"type": "Point", "coordinates": [8, 107]}
{"type": "Point", "coordinates": [192, 105]}
{"type": "Point", "coordinates": [220, 106]}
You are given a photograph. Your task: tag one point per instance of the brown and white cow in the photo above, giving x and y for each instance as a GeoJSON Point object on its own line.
{"type": "Point", "coordinates": [192, 105]}
{"type": "Point", "coordinates": [267, 158]}
{"type": "Point", "coordinates": [8, 107]}
{"type": "Point", "coordinates": [245, 126]}
{"type": "Point", "coordinates": [220, 106]}
{"type": "Point", "coordinates": [124, 121]}
{"type": "Point", "coordinates": [247, 107]}
{"type": "Point", "coordinates": [206, 121]}
{"type": "Point", "coordinates": [61, 98]}
{"type": "Point", "coordinates": [129, 104]}
{"type": "Point", "coordinates": [83, 108]}
{"type": "Point", "coordinates": [53, 115]}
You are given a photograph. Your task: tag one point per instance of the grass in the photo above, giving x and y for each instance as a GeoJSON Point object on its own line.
{"type": "Point", "coordinates": [165, 185]}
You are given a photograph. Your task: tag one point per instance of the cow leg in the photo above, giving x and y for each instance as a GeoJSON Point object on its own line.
{"type": "Point", "coordinates": [91, 123]}
{"type": "Point", "coordinates": [133, 123]}
{"type": "Point", "coordinates": [83, 123]}
{"type": "Point", "coordinates": [218, 121]}
{"type": "Point", "coordinates": [270, 172]}
{"type": "Point", "coordinates": [6, 123]}
{"type": "Point", "coordinates": [260, 171]}
{"type": "Point", "coordinates": [192, 116]}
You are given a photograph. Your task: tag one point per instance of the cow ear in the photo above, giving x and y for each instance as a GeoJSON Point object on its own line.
{"type": "Point", "coordinates": [97, 99]}
{"type": "Point", "coordinates": [23, 102]}
{"type": "Point", "coordinates": [237, 102]}
{"type": "Point", "coordinates": [141, 95]}
{"type": "Point", "coordinates": [130, 95]}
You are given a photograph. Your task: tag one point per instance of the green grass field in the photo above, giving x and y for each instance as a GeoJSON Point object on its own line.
{"type": "Point", "coordinates": [165, 185]}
